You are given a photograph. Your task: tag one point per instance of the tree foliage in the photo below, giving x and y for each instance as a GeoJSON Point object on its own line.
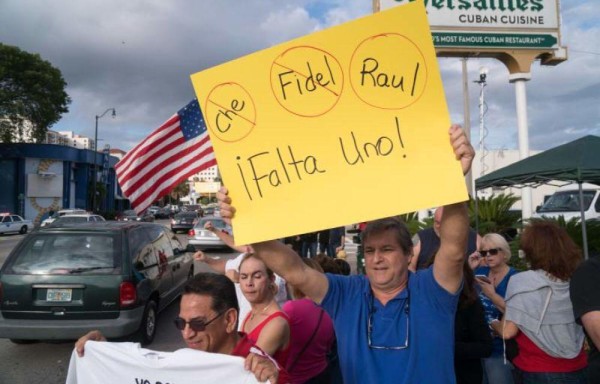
{"type": "Point", "coordinates": [494, 215]}
{"type": "Point", "coordinates": [182, 189]}
{"type": "Point", "coordinates": [32, 91]}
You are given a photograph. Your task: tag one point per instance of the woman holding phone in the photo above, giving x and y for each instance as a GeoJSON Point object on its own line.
{"type": "Point", "coordinates": [492, 274]}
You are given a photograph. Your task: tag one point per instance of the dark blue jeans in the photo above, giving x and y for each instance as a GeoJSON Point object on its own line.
{"type": "Point", "coordinates": [577, 377]}
{"type": "Point", "coordinates": [309, 249]}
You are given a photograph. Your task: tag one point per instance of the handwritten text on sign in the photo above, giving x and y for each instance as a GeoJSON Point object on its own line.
{"type": "Point", "coordinates": [341, 126]}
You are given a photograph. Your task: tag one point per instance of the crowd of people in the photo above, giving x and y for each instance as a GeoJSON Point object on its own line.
{"type": "Point", "coordinates": [443, 306]}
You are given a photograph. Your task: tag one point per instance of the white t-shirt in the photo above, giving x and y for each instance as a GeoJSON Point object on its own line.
{"type": "Point", "coordinates": [129, 363]}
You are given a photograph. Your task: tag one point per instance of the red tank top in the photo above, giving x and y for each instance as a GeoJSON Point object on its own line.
{"type": "Point", "coordinates": [281, 355]}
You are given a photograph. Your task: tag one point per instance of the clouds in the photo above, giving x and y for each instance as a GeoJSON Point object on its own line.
{"type": "Point", "coordinates": [137, 56]}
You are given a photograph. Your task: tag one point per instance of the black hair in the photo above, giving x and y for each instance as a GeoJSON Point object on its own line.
{"type": "Point", "coordinates": [218, 287]}
{"type": "Point", "coordinates": [343, 266]}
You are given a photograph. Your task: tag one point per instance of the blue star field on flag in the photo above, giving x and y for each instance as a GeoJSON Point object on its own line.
{"type": "Point", "coordinates": [191, 120]}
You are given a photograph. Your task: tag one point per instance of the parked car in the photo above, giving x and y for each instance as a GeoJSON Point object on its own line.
{"type": "Point", "coordinates": [61, 213]}
{"type": "Point", "coordinates": [130, 215]}
{"type": "Point", "coordinates": [153, 209]}
{"type": "Point", "coordinates": [77, 218]}
{"type": "Point", "coordinates": [61, 282]}
{"type": "Point", "coordinates": [163, 213]}
{"type": "Point", "coordinates": [14, 223]}
{"type": "Point", "coordinates": [203, 239]}
{"type": "Point", "coordinates": [209, 211]}
{"type": "Point", "coordinates": [566, 202]}
{"type": "Point", "coordinates": [184, 221]}
{"type": "Point", "coordinates": [193, 208]}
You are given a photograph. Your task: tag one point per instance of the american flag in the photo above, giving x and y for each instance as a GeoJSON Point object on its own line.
{"type": "Point", "coordinates": [174, 151]}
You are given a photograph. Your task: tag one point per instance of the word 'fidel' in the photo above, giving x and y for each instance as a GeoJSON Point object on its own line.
{"type": "Point", "coordinates": [271, 169]}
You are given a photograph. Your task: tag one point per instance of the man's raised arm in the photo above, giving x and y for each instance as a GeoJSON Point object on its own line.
{"type": "Point", "coordinates": [454, 229]}
{"type": "Point", "coordinates": [282, 259]}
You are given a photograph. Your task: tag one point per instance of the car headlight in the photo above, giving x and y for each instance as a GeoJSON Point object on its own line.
{"type": "Point", "coordinates": [139, 219]}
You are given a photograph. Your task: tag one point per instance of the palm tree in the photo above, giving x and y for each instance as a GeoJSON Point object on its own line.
{"type": "Point", "coordinates": [494, 215]}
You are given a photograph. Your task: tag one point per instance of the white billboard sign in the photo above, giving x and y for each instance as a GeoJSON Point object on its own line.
{"type": "Point", "coordinates": [518, 24]}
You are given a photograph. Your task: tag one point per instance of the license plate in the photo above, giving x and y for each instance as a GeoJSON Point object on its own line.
{"type": "Point", "coordinates": [59, 295]}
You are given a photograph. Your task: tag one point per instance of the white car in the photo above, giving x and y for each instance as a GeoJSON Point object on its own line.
{"type": "Point", "coordinates": [77, 218]}
{"type": "Point", "coordinates": [61, 213]}
{"type": "Point", "coordinates": [14, 223]}
{"type": "Point", "coordinates": [203, 239]}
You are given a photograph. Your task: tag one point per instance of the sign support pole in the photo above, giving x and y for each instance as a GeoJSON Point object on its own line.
{"type": "Point", "coordinates": [519, 80]}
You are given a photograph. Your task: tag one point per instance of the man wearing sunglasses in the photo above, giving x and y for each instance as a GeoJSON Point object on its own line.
{"type": "Point", "coordinates": [208, 318]}
{"type": "Point", "coordinates": [392, 326]}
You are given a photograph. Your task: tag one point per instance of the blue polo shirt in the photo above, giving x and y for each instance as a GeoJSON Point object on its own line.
{"type": "Point", "coordinates": [429, 357]}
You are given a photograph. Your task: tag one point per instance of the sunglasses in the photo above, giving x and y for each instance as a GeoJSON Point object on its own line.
{"type": "Point", "coordinates": [491, 252]}
{"type": "Point", "coordinates": [196, 325]}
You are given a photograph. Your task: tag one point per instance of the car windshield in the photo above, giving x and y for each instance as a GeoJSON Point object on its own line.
{"type": "Point", "coordinates": [67, 253]}
{"type": "Point", "coordinates": [567, 201]}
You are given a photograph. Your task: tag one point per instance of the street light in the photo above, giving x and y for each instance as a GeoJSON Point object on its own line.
{"type": "Point", "coordinates": [483, 72]}
{"type": "Point", "coordinates": [94, 192]}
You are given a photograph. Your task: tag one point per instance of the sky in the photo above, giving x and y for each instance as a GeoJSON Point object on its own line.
{"type": "Point", "coordinates": [137, 55]}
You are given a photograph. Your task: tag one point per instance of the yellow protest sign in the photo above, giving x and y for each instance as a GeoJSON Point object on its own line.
{"type": "Point", "coordinates": [345, 125]}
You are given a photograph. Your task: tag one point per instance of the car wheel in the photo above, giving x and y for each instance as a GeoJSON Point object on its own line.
{"type": "Point", "coordinates": [23, 341]}
{"type": "Point", "coordinates": [23, 230]}
{"type": "Point", "coordinates": [147, 331]}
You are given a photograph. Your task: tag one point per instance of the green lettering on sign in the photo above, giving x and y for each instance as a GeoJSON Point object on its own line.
{"type": "Point", "coordinates": [494, 40]}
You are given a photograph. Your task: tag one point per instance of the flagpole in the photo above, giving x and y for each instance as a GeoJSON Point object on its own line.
{"type": "Point", "coordinates": [376, 6]}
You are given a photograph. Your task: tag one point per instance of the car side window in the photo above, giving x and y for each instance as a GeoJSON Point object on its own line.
{"type": "Point", "coordinates": [160, 242]}
{"type": "Point", "coordinates": [175, 243]}
{"type": "Point", "coordinates": [141, 250]}
{"type": "Point", "coordinates": [16, 219]}
{"type": "Point", "coordinates": [6, 219]}
{"type": "Point", "coordinates": [597, 205]}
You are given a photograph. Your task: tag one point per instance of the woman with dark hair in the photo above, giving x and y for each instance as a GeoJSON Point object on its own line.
{"type": "Point", "coordinates": [472, 337]}
{"type": "Point", "coordinates": [539, 313]}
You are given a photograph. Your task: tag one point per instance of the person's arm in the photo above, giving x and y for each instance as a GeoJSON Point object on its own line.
{"type": "Point", "coordinates": [225, 237]}
{"type": "Point", "coordinates": [474, 260]}
{"type": "Point", "coordinates": [506, 329]}
{"type": "Point", "coordinates": [217, 264]}
{"type": "Point", "coordinates": [91, 335]}
{"type": "Point", "coordinates": [274, 336]}
{"type": "Point", "coordinates": [591, 323]}
{"type": "Point", "coordinates": [262, 367]}
{"type": "Point", "coordinates": [454, 229]}
{"type": "Point", "coordinates": [281, 259]}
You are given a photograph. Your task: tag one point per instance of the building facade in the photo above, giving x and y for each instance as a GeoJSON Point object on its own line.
{"type": "Point", "coordinates": [38, 178]}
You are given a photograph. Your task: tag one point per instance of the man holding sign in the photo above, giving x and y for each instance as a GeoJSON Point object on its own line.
{"type": "Point", "coordinates": [392, 325]}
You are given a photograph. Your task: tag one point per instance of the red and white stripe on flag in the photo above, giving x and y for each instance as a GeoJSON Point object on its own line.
{"type": "Point", "coordinates": [173, 152]}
